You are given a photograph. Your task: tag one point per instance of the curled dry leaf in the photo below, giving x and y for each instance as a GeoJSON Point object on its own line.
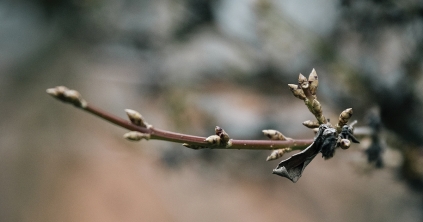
{"type": "Point", "coordinates": [293, 167]}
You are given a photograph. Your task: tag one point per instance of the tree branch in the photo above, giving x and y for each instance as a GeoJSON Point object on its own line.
{"type": "Point", "coordinates": [149, 132]}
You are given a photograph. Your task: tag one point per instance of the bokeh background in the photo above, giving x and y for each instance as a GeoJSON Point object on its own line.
{"type": "Point", "coordinates": [187, 66]}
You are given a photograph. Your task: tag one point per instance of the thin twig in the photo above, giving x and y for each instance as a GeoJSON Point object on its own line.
{"type": "Point", "coordinates": [158, 134]}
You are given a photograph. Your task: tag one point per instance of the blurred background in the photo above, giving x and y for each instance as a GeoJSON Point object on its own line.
{"type": "Point", "coordinates": [187, 66]}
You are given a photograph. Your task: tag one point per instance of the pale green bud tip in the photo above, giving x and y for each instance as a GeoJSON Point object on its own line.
{"type": "Point", "coordinates": [67, 95]}
{"type": "Point", "coordinates": [52, 92]}
{"type": "Point", "coordinates": [136, 136]}
{"type": "Point", "coordinates": [136, 118]}
{"type": "Point", "coordinates": [133, 115]}
{"type": "Point", "coordinates": [214, 139]}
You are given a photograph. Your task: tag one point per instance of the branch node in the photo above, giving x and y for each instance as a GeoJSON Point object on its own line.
{"type": "Point", "coordinates": [213, 140]}
{"type": "Point", "coordinates": [276, 135]}
{"type": "Point", "coordinates": [221, 139]}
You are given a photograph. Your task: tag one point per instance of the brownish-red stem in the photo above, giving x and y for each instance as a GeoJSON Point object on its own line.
{"type": "Point", "coordinates": [197, 140]}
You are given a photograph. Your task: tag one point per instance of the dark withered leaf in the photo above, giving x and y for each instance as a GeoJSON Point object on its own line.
{"type": "Point", "coordinates": [347, 133]}
{"type": "Point", "coordinates": [293, 167]}
{"type": "Point", "coordinates": [328, 146]}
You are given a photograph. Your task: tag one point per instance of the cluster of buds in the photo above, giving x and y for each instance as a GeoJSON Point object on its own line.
{"type": "Point", "coordinates": [136, 119]}
{"type": "Point", "coordinates": [327, 139]}
{"type": "Point", "coordinates": [306, 90]}
{"type": "Point", "coordinates": [67, 95]}
{"type": "Point", "coordinates": [220, 139]}
{"type": "Point", "coordinates": [276, 135]}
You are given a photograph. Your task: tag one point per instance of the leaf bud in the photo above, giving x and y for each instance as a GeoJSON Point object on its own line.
{"type": "Point", "coordinates": [313, 81]}
{"type": "Point", "coordinates": [302, 81]}
{"type": "Point", "coordinates": [136, 136]}
{"type": "Point", "coordinates": [311, 124]}
{"type": "Point", "coordinates": [297, 91]}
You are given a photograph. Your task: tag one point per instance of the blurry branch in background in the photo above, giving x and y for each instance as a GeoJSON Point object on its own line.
{"type": "Point", "coordinates": [327, 138]}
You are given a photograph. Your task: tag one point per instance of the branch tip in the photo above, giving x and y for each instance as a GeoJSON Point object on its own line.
{"type": "Point", "coordinates": [213, 140]}
{"type": "Point", "coordinates": [64, 94]}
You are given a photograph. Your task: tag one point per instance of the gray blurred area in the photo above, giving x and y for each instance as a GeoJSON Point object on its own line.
{"type": "Point", "coordinates": [187, 66]}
